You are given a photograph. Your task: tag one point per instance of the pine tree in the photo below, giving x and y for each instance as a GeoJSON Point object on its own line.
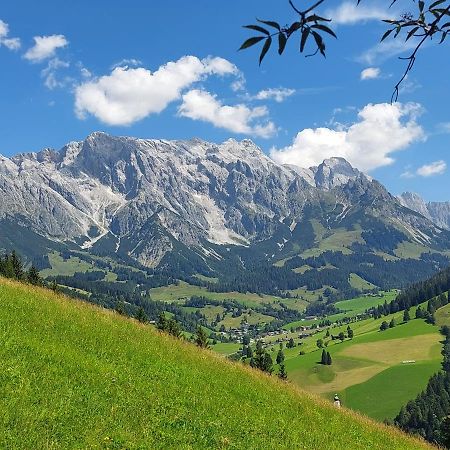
{"type": "Point", "coordinates": [174, 328]}
{"type": "Point", "coordinates": [341, 336]}
{"type": "Point", "coordinates": [319, 343]}
{"type": "Point", "coordinates": [392, 323]}
{"type": "Point", "coordinates": [329, 360]}
{"type": "Point", "coordinates": [350, 333]}
{"type": "Point", "coordinates": [267, 363]}
{"type": "Point", "coordinates": [406, 316]}
{"type": "Point", "coordinates": [17, 265]}
{"type": "Point", "coordinates": [282, 374]}
{"type": "Point", "coordinates": [141, 315]}
{"type": "Point", "coordinates": [324, 359]}
{"type": "Point", "coordinates": [419, 312]}
{"type": "Point", "coordinates": [162, 322]}
{"type": "Point", "coordinates": [120, 308]}
{"type": "Point", "coordinates": [280, 356]}
{"type": "Point", "coordinates": [445, 431]}
{"type": "Point", "coordinates": [33, 276]}
{"type": "Point", "coordinates": [201, 338]}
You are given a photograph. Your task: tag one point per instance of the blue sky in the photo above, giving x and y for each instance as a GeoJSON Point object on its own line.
{"type": "Point", "coordinates": [172, 70]}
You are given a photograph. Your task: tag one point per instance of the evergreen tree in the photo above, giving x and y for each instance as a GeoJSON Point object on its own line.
{"type": "Point", "coordinates": [445, 431]}
{"type": "Point", "coordinates": [350, 333]}
{"type": "Point", "coordinates": [141, 315]}
{"type": "Point", "coordinates": [120, 308]}
{"type": "Point", "coordinates": [161, 324]}
{"type": "Point", "coordinates": [267, 363]}
{"type": "Point", "coordinates": [329, 360]}
{"type": "Point", "coordinates": [341, 336]}
{"type": "Point", "coordinates": [280, 356]}
{"type": "Point", "coordinates": [319, 343]}
{"type": "Point", "coordinates": [282, 374]}
{"type": "Point", "coordinates": [419, 312]}
{"type": "Point", "coordinates": [174, 328]}
{"type": "Point", "coordinates": [246, 339]}
{"type": "Point", "coordinates": [324, 358]}
{"type": "Point", "coordinates": [406, 316]}
{"type": "Point", "coordinates": [384, 326]}
{"type": "Point", "coordinates": [392, 323]}
{"type": "Point", "coordinates": [33, 276]}
{"type": "Point", "coordinates": [17, 265]}
{"type": "Point", "coordinates": [249, 352]}
{"type": "Point", "coordinates": [54, 286]}
{"type": "Point", "coordinates": [291, 343]}
{"type": "Point", "coordinates": [201, 338]}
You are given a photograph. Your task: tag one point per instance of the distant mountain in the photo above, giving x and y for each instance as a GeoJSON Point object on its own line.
{"type": "Point", "coordinates": [227, 211]}
{"type": "Point", "coordinates": [437, 212]}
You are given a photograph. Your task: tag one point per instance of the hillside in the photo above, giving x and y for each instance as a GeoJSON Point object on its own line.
{"type": "Point", "coordinates": [76, 376]}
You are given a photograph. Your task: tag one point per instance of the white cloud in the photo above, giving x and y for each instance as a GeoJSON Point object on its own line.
{"type": "Point", "coordinates": [370, 73]}
{"type": "Point", "coordinates": [10, 43]}
{"type": "Point", "coordinates": [349, 13]}
{"type": "Point", "coordinates": [381, 130]}
{"type": "Point", "coordinates": [49, 74]}
{"type": "Point", "coordinates": [45, 47]}
{"type": "Point", "coordinates": [130, 94]}
{"type": "Point", "coordinates": [385, 50]}
{"type": "Point", "coordinates": [277, 94]}
{"type": "Point", "coordinates": [201, 105]}
{"type": "Point", "coordinates": [434, 168]}
{"type": "Point", "coordinates": [127, 62]}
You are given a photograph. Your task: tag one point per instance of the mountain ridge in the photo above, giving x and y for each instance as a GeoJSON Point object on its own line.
{"type": "Point", "coordinates": [199, 207]}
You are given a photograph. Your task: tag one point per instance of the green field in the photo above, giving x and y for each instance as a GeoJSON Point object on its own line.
{"type": "Point", "coordinates": [77, 376]}
{"type": "Point", "coordinates": [180, 292]}
{"type": "Point", "coordinates": [362, 366]}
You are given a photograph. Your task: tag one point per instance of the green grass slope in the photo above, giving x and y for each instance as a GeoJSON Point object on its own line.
{"type": "Point", "coordinates": [76, 376]}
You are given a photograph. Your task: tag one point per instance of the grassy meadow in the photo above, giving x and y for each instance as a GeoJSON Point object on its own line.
{"type": "Point", "coordinates": [77, 376]}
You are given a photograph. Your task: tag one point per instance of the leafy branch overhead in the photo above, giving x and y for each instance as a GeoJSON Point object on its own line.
{"type": "Point", "coordinates": [311, 27]}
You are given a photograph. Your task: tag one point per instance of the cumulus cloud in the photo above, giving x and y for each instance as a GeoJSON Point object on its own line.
{"type": "Point", "coordinates": [370, 73]}
{"type": "Point", "coordinates": [349, 13]}
{"type": "Point", "coordinates": [201, 105]}
{"type": "Point", "coordinates": [45, 47]}
{"type": "Point", "coordinates": [130, 94]}
{"type": "Point", "coordinates": [434, 168]}
{"type": "Point", "coordinates": [381, 129]}
{"type": "Point", "coordinates": [8, 42]}
{"type": "Point", "coordinates": [277, 94]}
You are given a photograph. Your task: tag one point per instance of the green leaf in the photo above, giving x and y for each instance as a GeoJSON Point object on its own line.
{"type": "Point", "coordinates": [324, 28]}
{"type": "Point", "coordinates": [257, 28]}
{"type": "Point", "coordinates": [270, 23]}
{"type": "Point", "coordinates": [252, 41]}
{"type": "Point", "coordinates": [293, 28]}
{"type": "Point", "coordinates": [385, 35]}
{"type": "Point", "coordinates": [305, 34]}
{"type": "Point", "coordinates": [282, 40]}
{"type": "Point", "coordinates": [411, 33]}
{"type": "Point", "coordinates": [316, 18]}
{"type": "Point", "coordinates": [319, 42]}
{"type": "Point", "coordinates": [265, 49]}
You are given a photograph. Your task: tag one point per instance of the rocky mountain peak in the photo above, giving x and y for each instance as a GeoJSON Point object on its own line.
{"type": "Point", "coordinates": [437, 212]}
{"type": "Point", "coordinates": [334, 172]}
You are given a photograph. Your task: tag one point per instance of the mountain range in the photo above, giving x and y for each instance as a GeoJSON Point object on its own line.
{"type": "Point", "coordinates": [194, 207]}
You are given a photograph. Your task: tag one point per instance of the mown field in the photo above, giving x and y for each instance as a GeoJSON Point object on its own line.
{"type": "Point", "coordinates": [76, 376]}
{"type": "Point", "coordinates": [375, 372]}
